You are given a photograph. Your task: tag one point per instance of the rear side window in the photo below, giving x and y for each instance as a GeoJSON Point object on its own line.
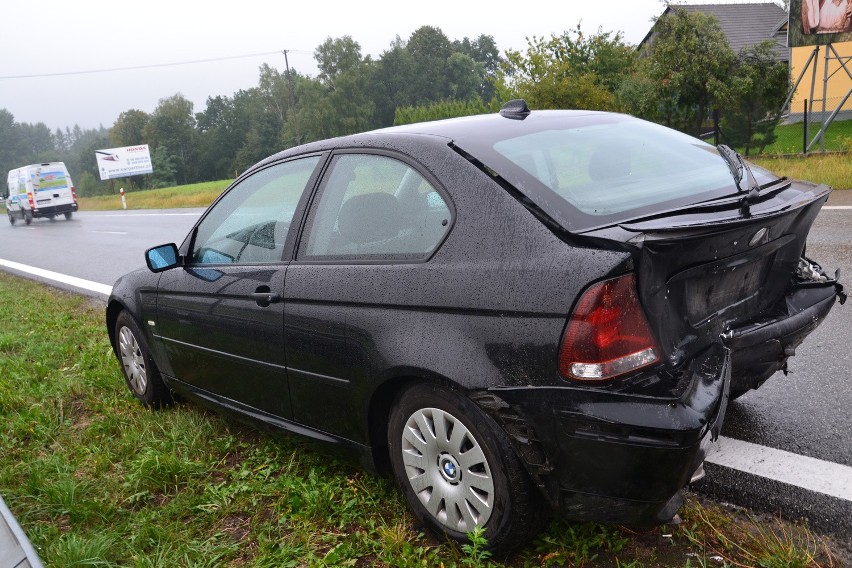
{"type": "Point", "coordinates": [375, 207]}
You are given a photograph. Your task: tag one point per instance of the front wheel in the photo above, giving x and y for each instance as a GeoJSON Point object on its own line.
{"type": "Point", "coordinates": [11, 218]}
{"type": "Point", "coordinates": [140, 372]}
{"type": "Point", "coordinates": [457, 469]}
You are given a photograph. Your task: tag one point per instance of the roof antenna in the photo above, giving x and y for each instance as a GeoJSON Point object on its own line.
{"type": "Point", "coordinates": [515, 109]}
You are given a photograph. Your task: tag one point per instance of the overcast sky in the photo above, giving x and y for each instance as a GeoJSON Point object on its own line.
{"type": "Point", "coordinates": [42, 37]}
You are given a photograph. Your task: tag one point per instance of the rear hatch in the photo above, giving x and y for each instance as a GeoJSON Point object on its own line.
{"type": "Point", "coordinates": [716, 245]}
{"type": "Point", "coordinates": [718, 266]}
{"type": "Point", "coordinates": [52, 185]}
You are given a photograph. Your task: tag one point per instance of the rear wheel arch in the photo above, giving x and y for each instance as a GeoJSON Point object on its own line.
{"type": "Point", "coordinates": [379, 409]}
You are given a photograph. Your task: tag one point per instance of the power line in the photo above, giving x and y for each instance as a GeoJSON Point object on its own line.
{"type": "Point", "coordinates": [152, 66]}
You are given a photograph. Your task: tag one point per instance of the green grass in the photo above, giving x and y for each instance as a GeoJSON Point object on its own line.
{"type": "Point", "coordinates": [838, 138]}
{"type": "Point", "coordinates": [832, 169]}
{"type": "Point", "coordinates": [95, 479]}
{"type": "Point", "coordinates": [192, 195]}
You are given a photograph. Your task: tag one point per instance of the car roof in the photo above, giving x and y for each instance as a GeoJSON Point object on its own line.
{"type": "Point", "coordinates": [462, 130]}
{"type": "Point", "coordinates": [480, 125]}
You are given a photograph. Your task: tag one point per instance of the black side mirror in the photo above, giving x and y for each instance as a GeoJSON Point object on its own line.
{"type": "Point", "coordinates": [162, 257]}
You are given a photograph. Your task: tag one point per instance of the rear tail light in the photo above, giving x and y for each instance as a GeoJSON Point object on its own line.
{"type": "Point", "coordinates": [608, 334]}
{"type": "Point", "coordinates": [73, 194]}
{"type": "Point", "coordinates": [31, 201]}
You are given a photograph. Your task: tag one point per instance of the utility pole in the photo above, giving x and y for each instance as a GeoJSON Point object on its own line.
{"type": "Point", "coordinates": [292, 99]}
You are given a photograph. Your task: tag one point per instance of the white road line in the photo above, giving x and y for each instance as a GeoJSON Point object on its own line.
{"type": "Point", "coordinates": [808, 473]}
{"type": "Point", "coordinates": [109, 232]}
{"type": "Point", "coordinates": [57, 277]}
{"type": "Point", "coordinates": [824, 207]}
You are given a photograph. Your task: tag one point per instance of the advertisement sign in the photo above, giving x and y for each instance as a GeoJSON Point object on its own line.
{"type": "Point", "coordinates": [124, 162]}
{"type": "Point", "coordinates": [819, 22]}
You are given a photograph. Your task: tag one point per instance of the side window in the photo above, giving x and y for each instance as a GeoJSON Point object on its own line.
{"type": "Point", "coordinates": [375, 207]}
{"type": "Point", "coordinates": [250, 223]}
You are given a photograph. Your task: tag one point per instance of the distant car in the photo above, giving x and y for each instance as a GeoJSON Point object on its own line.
{"type": "Point", "coordinates": [514, 313]}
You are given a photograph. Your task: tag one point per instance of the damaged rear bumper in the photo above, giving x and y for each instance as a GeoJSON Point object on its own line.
{"type": "Point", "coordinates": [763, 347]}
{"type": "Point", "coordinates": [615, 457]}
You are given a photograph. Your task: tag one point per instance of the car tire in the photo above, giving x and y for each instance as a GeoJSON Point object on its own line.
{"type": "Point", "coordinates": [140, 372]}
{"type": "Point", "coordinates": [11, 218]}
{"type": "Point", "coordinates": [457, 470]}
{"type": "Point", "coordinates": [68, 215]}
{"type": "Point", "coordinates": [28, 217]}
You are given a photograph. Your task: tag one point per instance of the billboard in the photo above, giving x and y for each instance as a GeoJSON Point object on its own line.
{"type": "Point", "coordinates": [124, 162]}
{"type": "Point", "coordinates": [819, 22]}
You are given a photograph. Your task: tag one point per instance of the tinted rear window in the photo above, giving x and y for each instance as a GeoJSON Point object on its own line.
{"type": "Point", "coordinates": [603, 168]}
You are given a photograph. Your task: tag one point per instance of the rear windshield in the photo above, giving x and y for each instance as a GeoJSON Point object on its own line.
{"type": "Point", "coordinates": [604, 168]}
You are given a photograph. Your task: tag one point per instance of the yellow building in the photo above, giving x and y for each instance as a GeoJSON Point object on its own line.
{"type": "Point", "coordinates": [838, 85]}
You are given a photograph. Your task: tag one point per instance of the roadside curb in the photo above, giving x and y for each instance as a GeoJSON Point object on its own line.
{"type": "Point", "coordinates": [824, 513]}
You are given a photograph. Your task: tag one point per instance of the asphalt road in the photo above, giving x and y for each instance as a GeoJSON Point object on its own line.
{"type": "Point", "coordinates": [807, 413]}
{"type": "Point", "coordinates": [95, 245]}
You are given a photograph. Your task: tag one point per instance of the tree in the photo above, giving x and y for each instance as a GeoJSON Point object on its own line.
{"type": "Point", "coordinates": [10, 154]}
{"type": "Point", "coordinates": [568, 71]}
{"type": "Point", "coordinates": [751, 106]}
{"type": "Point", "coordinates": [430, 49]}
{"type": "Point", "coordinates": [36, 142]}
{"type": "Point", "coordinates": [391, 81]}
{"type": "Point", "coordinates": [81, 159]}
{"type": "Point", "coordinates": [255, 130]}
{"type": "Point", "coordinates": [275, 91]}
{"type": "Point", "coordinates": [687, 65]}
{"type": "Point", "coordinates": [219, 135]}
{"type": "Point", "coordinates": [464, 76]}
{"type": "Point", "coordinates": [163, 162]}
{"type": "Point", "coordinates": [483, 50]}
{"type": "Point", "coordinates": [173, 124]}
{"type": "Point", "coordinates": [129, 128]}
{"type": "Point", "coordinates": [345, 97]}
{"type": "Point", "coordinates": [335, 57]}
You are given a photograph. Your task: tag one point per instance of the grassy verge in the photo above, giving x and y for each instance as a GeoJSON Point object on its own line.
{"type": "Point", "coordinates": [95, 479]}
{"type": "Point", "coordinates": [833, 169]}
{"type": "Point", "coordinates": [789, 139]}
{"type": "Point", "coordinates": [192, 195]}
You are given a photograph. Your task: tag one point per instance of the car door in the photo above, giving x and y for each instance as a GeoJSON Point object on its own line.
{"type": "Point", "coordinates": [220, 316]}
{"type": "Point", "coordinates": [375, 221]}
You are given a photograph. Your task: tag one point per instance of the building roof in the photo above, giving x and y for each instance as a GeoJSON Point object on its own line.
{"type": "Point", "coordinates": [744, 25]}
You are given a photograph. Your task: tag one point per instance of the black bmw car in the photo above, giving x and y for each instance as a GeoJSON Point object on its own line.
{"type": "Point", "coordinates": [513, 313]}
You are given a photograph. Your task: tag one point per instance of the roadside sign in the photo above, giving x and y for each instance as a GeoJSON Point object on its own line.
{"type": "Point", "coordinates": [124, 162]}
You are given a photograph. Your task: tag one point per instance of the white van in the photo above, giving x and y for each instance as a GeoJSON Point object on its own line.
{"type": "Point", "coordinates": [40, 190]}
